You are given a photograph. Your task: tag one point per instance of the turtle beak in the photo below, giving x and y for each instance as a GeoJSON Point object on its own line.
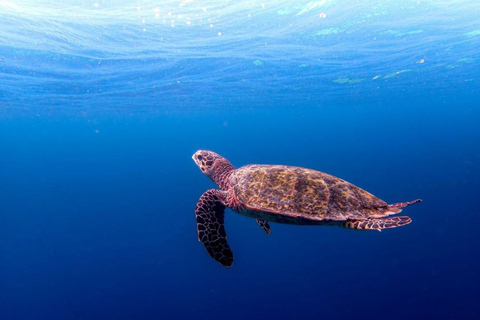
{"type": "Point", "coordinates": [196, 160]}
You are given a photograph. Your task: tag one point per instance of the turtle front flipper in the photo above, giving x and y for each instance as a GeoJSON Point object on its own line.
{"type": "Point", "coordinates": [210, 226]}
{"type": "Point", "coordinates": [378, 224]}
{"type": "Point", "coordinates": [264, 225]}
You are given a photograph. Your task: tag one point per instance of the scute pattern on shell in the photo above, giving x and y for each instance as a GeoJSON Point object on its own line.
{"type": "Point", "coordinates": [302, 194]}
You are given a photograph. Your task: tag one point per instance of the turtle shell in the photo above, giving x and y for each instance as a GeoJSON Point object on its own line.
{"type": "Point", "coordinates": [302, 194]}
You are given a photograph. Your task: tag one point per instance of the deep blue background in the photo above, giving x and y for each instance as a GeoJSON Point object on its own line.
{"type": "Point", "coordinates": [101, 225]}
{"type": "Point", "coordinates": [103, 103]}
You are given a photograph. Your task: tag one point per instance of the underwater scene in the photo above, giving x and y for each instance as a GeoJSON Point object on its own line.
{"type": "Point", "coordinates": [286, 136]}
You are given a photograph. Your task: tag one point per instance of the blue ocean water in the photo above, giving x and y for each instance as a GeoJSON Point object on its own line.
{"type": "Point", "coordinates": [103, 103]}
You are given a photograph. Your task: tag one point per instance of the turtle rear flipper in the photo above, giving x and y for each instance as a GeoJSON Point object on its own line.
{"type": "Point", "coordinates": [264, 225]}
{"type": "Point", "coordinates": [210, 226]}
{"type": "Point", "coordinates": [378, 224]}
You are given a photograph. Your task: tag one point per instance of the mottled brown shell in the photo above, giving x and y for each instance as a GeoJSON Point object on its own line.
{"type": "Point", "coordinates": [303, 194]}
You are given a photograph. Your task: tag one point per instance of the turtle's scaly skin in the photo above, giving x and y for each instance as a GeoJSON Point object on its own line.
{"type": "Point", "coordinates": [302, 196]}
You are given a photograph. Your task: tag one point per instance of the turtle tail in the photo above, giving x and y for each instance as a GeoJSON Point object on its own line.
{"type": "Point", "coordinates": [395, 208]}
{"type": "Point", "coordinates": [403, 204]}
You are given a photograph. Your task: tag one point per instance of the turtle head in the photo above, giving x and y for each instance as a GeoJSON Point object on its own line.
{"type": "Point", "coordinates": [214, 166]}
{"type": "Point", "coordinates": [205, 160]}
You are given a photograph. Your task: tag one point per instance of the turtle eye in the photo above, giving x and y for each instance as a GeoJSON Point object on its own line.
{"type": "Point", "coordinates": [199, 157]}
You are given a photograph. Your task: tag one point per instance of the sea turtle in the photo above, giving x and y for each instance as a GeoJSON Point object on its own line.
{"type": "Point", "coordinates": [283, 194]}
